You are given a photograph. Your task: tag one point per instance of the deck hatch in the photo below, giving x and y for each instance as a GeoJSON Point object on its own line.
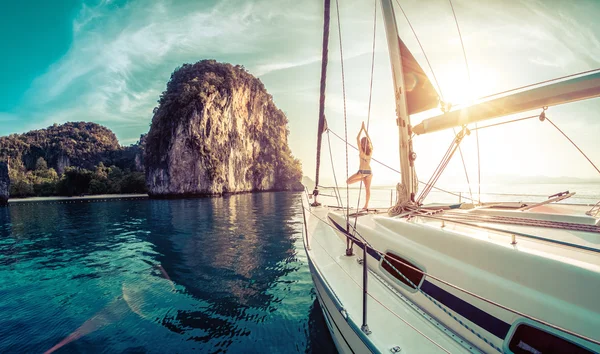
{"type": "Point", "coordinates": [528, 339]}
{"type": "Point", "coordinates": [399, 263]}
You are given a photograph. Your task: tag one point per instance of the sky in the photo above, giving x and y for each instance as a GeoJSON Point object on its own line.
{"type": "Point", "coordinates": [107, 61]}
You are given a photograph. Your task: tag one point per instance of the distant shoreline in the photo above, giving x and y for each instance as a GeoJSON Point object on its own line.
{"type": "Point", "coordinates": [75, 199]}
{"type": "Point", "coordinates": [105, 197]}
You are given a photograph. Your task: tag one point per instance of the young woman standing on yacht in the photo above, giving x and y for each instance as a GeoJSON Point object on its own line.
{"type": "Point", "coordinates": [365, 151]}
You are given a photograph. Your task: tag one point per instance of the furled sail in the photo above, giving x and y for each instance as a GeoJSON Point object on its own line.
{"type": "Point", "coordinates": [420, 94]}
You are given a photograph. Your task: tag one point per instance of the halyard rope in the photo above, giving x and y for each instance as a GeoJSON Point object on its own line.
{"type": "Point", "coordinates": [370, 95]}
{"type": "Point", "coordinates": [337, 6]}
{"type": "Point", "coordinates": [422, 50]}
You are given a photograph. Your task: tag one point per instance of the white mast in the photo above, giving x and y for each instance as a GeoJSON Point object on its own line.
{"type": "Point", "coordinates": [402, 118]}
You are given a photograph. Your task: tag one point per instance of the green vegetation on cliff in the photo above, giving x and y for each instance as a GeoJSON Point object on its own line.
{"type": "Point", "coordinates": [71, 144]}
{"type": "Point", "coordinates": [71, 159]}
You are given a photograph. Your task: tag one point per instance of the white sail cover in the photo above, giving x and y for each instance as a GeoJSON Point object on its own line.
{"type": "Point", "coordinates": [575, 89]}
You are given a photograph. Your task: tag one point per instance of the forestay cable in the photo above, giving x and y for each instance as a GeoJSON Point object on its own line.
{"type": "Point", "coordinates": [470, 91]}
{"type": "Point", "coordinates": [422, 50]}
{"type": "Point", "coordinates": [333, 169]}
{"type": "Point", "coordinates": [370, 95]}
{"type": "Point", "coordinates": [337, 6]}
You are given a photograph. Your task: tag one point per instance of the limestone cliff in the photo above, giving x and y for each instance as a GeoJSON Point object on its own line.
{"type": "Point", "coordinates": [217, 131]}
{"type": "Point", "coordinates": [4, 183]}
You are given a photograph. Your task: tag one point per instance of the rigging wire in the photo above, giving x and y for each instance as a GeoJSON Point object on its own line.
{"type": "Point", "coordinates": [462, 44]}
{"type": "Point", "coordinates": [539, 83]}
{"type": "Point", "coordinates": [337, 6]}
{"type": "Point", "coordinates": [372, 63]}
{"type": "Point", "coordinates": [443, 164]}
{"type": "Point", "coordinates": [502, 123]}
{"type": "Point", "coordinates": [370, 94]}
{"type": "Point", "coordinates": [422, 50]}
{"type": "Point", "coordinates": [572, 142]}
{"type": "Point", "coordinates": [333, 169]}
{"type": "Point", "coordinates": [464, 167]}
{"type": "Point", "coordinates": [395, 170]}
{"type": "Point", "coordinates": [478, 166]}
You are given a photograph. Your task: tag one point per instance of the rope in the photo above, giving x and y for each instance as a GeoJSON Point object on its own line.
{"type": "Point", "coordinates": [372, 64]}
{"type": "Point", "coordinates": [370, 94]}
{"type": "Point", "coordinates": [535, 195]}
{"type": "Point", "coordinates": [443, 163]}
{"type": "Point", "coordinates": [464, 167]}
{"type": "Point", "coordinates": [339, 201]}
{"type": "Point", "coordinates": [478, 167]}
{"type": "Point", "coordinates": [422, 50]}
{"type": "Point", "coordinates": [476, 130]}
{"type": "Point", "coordinates": [565, 135]}
{"type": "Point", "coordinates": [511, 220]}
{"type": "Point", "coordinates": [510, 121]}
{"type": "Point", "coordinates": [337, 6]}
{"type": "Point", "coordinates": [461, 42]}
{"type": "Point", "coordinates": [393, 169]}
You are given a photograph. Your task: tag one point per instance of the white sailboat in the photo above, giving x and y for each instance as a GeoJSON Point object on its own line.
{"type": "Point", "coordinates": [502, 277]}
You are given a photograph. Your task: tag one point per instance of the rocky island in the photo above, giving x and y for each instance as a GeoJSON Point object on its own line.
{"type": "Point", "coordinates": [70, 159]}
{"type": "Point", "coordinates": [216, 130]}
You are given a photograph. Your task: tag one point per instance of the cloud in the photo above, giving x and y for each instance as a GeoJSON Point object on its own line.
{"type": "Point", "coordinates": [263, 69]}
{"type": "Point", "coordinates": [123, 54]}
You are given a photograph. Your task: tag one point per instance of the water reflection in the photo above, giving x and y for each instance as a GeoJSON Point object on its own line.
{"type": "Point", "coordinates": [193, 274]}
{"type": "Point", "coordinates": [227, 252]}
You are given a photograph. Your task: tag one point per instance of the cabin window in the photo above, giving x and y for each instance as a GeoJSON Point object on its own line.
{"type": "Point", "coordinates": [531, 340]}
{"type": "Point", "coordinates": [399, 263]}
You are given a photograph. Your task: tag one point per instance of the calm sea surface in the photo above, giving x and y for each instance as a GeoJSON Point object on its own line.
{"type": "Point", "coordinates": [160, 276]}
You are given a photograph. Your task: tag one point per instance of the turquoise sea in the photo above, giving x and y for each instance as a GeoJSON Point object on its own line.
{"type": "Point", "coordinates": [158, 276]}
{"type": "Point", "coordinates": [174, 276]}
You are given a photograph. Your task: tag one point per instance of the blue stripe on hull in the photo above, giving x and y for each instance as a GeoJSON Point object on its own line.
{"type": "Point", "coordinates": [474, 314]}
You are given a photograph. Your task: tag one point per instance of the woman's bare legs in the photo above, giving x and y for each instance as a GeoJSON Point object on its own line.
{"type": "Point", "coordinates": [355, 178]}
{"type": "Point", "coordinates": [367, 181]}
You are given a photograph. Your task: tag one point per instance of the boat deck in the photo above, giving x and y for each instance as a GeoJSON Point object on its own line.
{"type": "Point", "coordinates": [388, 316]}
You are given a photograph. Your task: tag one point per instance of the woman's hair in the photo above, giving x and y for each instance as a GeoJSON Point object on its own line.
{"type": "Point", "coordinates": [365, 146]}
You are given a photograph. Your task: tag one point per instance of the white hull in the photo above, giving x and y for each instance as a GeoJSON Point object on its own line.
{"type": "Point", "coordinates": [393, 322]}
{"type": "Point", "coordinates": [546, 281]}
{"type": "Point", "coordinates": [346, 339]}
